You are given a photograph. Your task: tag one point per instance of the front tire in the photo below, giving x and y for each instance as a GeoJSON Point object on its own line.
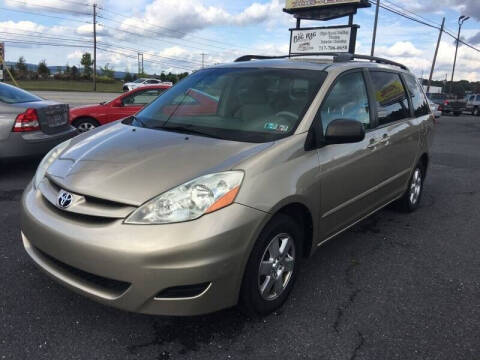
{"type": "Point", "coordinates": [272, 267]}
{"type": "Point", "coordinates": [85, 124]}
{"type": "Point", "coordinates": [476, 112]}
{"type": "Point", "coordinates": [410, 201]}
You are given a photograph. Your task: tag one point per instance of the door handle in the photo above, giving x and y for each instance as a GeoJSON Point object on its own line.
{"type": "Point", "coordinates": [372, 144]}
{"type": "Point", "coordinates": [385, 139]}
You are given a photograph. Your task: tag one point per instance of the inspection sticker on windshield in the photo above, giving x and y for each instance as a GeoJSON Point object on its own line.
{"type": "Point", "coordinates": [276, 127]}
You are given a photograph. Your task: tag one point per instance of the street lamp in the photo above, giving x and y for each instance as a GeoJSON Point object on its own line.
{"type": "Point", "coordinates": [461, 20]}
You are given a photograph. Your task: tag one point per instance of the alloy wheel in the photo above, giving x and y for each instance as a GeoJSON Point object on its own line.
{"type": "Point", "coordinates": [416, 186]}
{"type": "Point", "coordinates": [85, 126]}
{"type": "Point", "coordinates": [276, 267]}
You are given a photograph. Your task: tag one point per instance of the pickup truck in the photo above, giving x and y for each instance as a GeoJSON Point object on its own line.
{"type": "Point", "coordinates": [473, 104]}
{"type": "Point", "coordinates": [447, 104]}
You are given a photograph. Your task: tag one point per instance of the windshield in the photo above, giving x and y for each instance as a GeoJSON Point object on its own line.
{"type": "Point", "coordinates": [12, 95]}
{"type": "Point", "coordinates": [139, 81]}
{"type": "Point", "coordinates": [241, 104]}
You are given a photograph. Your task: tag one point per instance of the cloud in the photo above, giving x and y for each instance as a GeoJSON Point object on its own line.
{"type": "Point", "coordinates": [58, 6]}
{"type": "Point", "coordinates": [468, 7]}
{"type": "Point", "coordinates": [475, 40]}
{"type": "Point", "coordinates": [186, 17]}
{"type": "Point", "coordinates": [400, 49]}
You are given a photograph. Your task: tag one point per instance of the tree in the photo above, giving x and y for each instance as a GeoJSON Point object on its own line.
{"type": "Point", "coordinates": [21, 67]}
{"type": "Point", "coordinates": [74, 72]}
{"type": "Point", "coordinates": [43, 70]}
{"type": "Point", "coordinates": [128, 77]}
{"type": "Point", "coordinates": [107, 71]}
{"type": "Point", "coordinates": [87, 64]}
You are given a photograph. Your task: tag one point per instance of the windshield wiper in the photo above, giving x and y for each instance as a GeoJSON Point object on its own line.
{"type": "Point", "coordinates": [188, 129]}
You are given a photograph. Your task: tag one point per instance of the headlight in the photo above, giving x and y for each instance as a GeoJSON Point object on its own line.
{"type": "Point", "coordinates": [48, 160]}
{"type": "Point", "coordinates": [191, 200]}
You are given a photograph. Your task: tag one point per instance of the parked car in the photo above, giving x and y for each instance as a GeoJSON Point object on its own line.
{"type": "Point", "coordinates": [434, 108]}
{"type": "Point", "coordinates": [89, 117]}
{"type": "Point", "coordinates": [142, 82]}
{"type": "Point", "coordinates": [181, 212]}
{"type": "Point", "coordinates": [30, 125]}
{"type": "Point", "coordinates": [448, 105]}
{"type": "Point", "coordinates": [473, 104]}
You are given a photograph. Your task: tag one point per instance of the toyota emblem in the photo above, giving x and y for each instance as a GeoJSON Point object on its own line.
{"type": "Point", "coordinates": [64, 199]}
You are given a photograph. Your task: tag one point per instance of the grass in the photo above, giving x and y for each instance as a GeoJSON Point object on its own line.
{"type": "Point", "coordinates": [62, 85]}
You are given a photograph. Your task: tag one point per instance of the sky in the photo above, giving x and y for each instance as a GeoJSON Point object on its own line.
{"type": "Point", "coordinates": [178, 35]}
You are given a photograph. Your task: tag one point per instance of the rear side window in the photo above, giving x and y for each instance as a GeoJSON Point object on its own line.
{"type": "Point", "coordinates": [12, 95]}
{"type": "Point", "coordinates": [419, 102]}
{"type": "Point", "coordinates": [478, 97]}
{"type": "Point", "coordinates": [391, 98]}
{"type": "Point", "coordinates": [348, 99]}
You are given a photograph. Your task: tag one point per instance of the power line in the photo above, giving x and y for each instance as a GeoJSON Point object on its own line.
{"type": "Point", "coordinates": [52, 8]}
{"type": "Point", "coordinates": [143, 36]}
{"type": "Point", "coordinates": [44, 15]}
{"type": "Point", "coordinates": [136, 50]}
{"type": "Point", "coordinates": [172, 30]}
{"type": "Point", "coordinates": [426, 24]}
{"type": "Point", "coordinates": [170, 41]}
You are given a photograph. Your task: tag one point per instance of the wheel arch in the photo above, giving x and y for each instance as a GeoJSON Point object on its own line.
{"type": "Point", "coordinates": [302, 215]}
{"type": "Point", "coordinates": [76, 119]}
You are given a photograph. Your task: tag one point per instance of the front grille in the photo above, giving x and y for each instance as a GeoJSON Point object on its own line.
{"type": "Point", "coordinates": [84, 207]}
{"type": "Point", "coordinates": [114, 287]}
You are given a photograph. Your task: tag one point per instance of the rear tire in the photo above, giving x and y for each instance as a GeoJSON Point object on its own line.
{"type": "Point", "coordinates": [85, 124]}
{"type": "Point", "coordinates": [476, 111]}
{"type": "Point", "coordinates": [272, 267]}
{"type": "Point", "coordinates": [457, 113]}
{"type": "Point", "coordinates": [410, 201]}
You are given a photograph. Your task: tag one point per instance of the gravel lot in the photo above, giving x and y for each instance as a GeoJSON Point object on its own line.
{"type": "Point", "coordinates": [395, 286]}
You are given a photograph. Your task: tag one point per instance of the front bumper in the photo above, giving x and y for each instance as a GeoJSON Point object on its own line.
{"type": "Point", "coordinates": [147, 258]}
{"type": "Point", "coordinates": [32, 143]}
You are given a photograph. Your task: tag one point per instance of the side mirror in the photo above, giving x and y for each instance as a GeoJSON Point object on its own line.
{"type": "Point", "coordinates": [117, 103]}
{"type": "Point", "coordinates": [344, 131]}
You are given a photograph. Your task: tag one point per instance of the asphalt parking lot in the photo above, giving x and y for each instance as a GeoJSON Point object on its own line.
{"type": "Point", "coordinates": [395, 286]}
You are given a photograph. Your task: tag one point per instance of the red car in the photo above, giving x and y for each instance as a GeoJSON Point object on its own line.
{"type": "Point", "coordinates": [88, 117]}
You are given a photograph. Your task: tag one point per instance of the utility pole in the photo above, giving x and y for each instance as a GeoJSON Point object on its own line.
{"type": "Point", "coordinates": [94, 47]}
{"type": "Point", "coordinates": [372, 52]}
{"type": "Point", "coordinates": [203, 60]}
{"type": "Point", "coordinates": [461, 20]}
{"type": "Point", "coordinates": [435, 56]}
{"type": "Point", "coordinates": [140, 63]}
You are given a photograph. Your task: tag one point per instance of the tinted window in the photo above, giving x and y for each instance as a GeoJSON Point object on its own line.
{"type": "Point", "coordinates": [391, 99]}
{"type": "Point", "coordinates": [419, 103]}
{"type": "Point", "coordinates": [348, 99]}
{"type": "Point", "coordinates": [241, 104]}
{"type": "Point", "coordinates": [141, 97]}
{"type": "Point", "coordinates": [12, 95]}
{"type": "Point", "coordinates": [478, 97]}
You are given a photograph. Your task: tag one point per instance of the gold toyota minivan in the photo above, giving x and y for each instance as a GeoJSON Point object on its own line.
{"type": "Point", "coordinates": [213, 194]}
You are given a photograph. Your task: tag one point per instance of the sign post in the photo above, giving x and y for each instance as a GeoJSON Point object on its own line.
{"type": "Point", "coordinates": [339, 39]}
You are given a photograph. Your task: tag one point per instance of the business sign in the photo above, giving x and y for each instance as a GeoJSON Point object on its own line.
{"type": "Point", "coordinates": [337, 39]}
{"type": "Point", "coordinates": [300, 4]}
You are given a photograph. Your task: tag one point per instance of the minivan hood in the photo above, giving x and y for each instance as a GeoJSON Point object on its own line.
{"type": "Point", "coordinates": [131, 165]}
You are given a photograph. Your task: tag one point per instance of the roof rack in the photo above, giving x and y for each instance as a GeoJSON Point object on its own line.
{"type": "Point", "coordinates": [337, 57]}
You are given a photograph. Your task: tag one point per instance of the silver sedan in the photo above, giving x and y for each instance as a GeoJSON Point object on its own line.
{"type": "Point", "coordinates": [30, 125]}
